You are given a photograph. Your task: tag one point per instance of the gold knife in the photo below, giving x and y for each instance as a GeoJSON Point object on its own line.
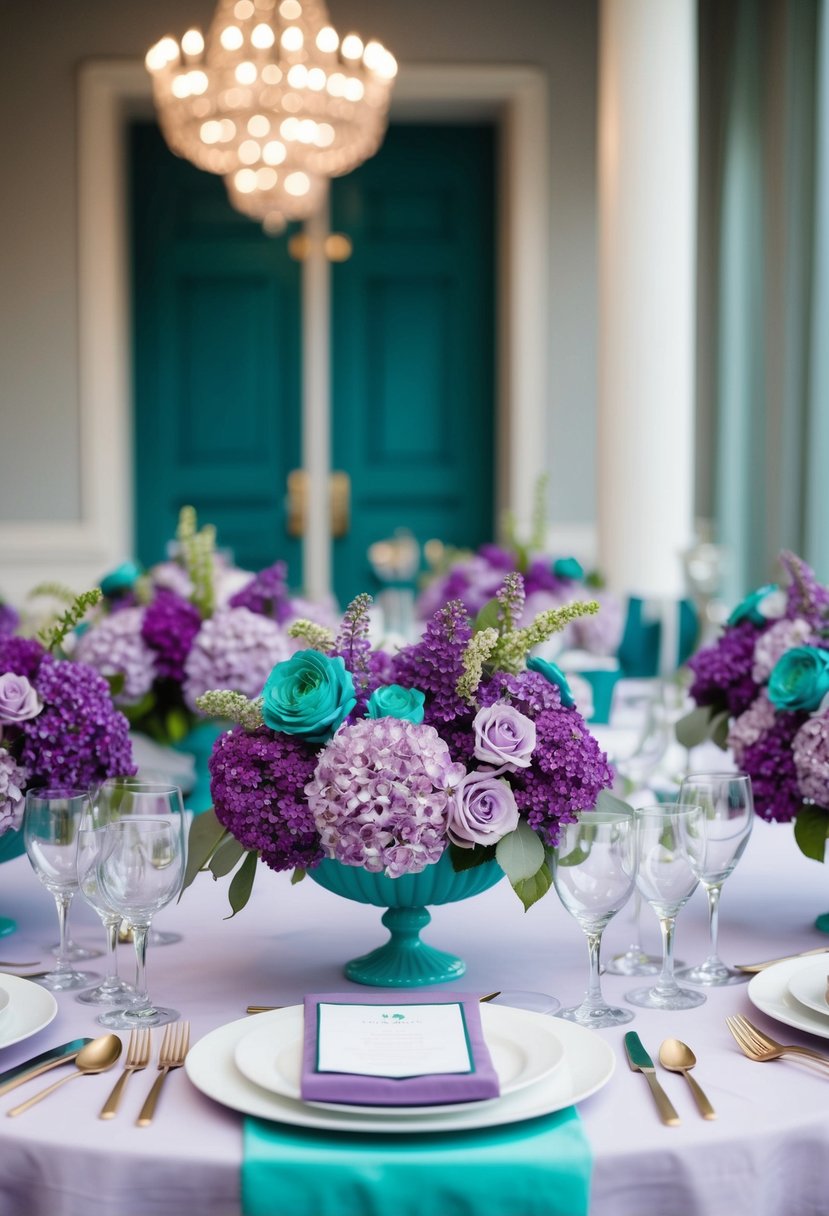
{"type": "Point", "coordinates": [640, 1061]}
{"type": "Point", "coordinates": [753, 968]}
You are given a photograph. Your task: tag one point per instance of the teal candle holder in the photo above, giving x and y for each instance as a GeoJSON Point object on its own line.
{"type": "Point", "coordinates": [405, 961]}
{"type": "Point", "coordinates": [11, 846]}
{"type": "Point", "coordinates": [198, 743]}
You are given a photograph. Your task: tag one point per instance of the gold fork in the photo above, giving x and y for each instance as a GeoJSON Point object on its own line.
{"type": "Point", "coordinates": [138, 1057]}
{"type": "Point", "coordinates": [759, 1046]}
{"type": "Point", "coordinates": [174, 1048]}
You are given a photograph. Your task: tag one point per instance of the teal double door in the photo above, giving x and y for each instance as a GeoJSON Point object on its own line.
{"type": "Point", "coordinates": [217, 353]}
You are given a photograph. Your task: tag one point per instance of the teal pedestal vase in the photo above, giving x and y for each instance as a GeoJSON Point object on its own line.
{"type": "Point", "coordinates": [199, 744]}
{"type": "Point", "coordinates": [11, 845]}
{"type": "Point", "coordinates": [405, 961]}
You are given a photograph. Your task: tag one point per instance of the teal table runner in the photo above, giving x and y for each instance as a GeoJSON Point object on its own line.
{"type": "Point", "coordinates": [540, 1167]}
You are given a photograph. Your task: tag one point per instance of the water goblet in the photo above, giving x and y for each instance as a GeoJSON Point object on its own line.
{"type": "Point", "coordinates": [113, 991]}
{"type": "Point", "coordinates": [140, 871]}
{"type": "Point", "coordinates": [594, 870]}
{"type": "Point", "coordinates": [728, 815]}
{"type": "Point", "coordinates": [634, 961]}
{"type": "Point", "coordinates": [51, 822]}
{"type": "Point", "coordinates": [669, 841]}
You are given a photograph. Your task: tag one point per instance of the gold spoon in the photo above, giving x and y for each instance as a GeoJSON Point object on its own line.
{"type": "Point", "coordinates": [678, 1057]}
{"type": "Point", "coordinates": [97, 1056]}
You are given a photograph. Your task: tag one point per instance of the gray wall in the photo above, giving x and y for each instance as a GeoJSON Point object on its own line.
{"type": "Point", "coordinates": [44, 44]}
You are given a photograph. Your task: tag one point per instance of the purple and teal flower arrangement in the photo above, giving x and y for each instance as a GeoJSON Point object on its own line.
{"type": "Point", "coordinates": [386, 762]}
{"type": "Point", "coordinates": [58, 725]}
{"type": "Point", "coordinates": [762, 690]}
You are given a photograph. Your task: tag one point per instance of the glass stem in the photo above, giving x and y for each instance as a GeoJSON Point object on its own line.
{"type": "Point", "coordinates": [666, 984]}
{"type": "Point", "coordinates": [593, 997]}
{"type": "Point", "coordinates": [62, 902]}
{"type": "Point", "coordinates": [139, 937]}
{"type": "Point", "coordinates": [635, 948]}
{"type": "Point", "coordinates": [111, 968]}
{"type": "Point", "coordinates": [713, 894]}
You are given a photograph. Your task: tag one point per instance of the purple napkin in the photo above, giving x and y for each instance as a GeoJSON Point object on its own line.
{"type": "Point", "coordinates": [430, 1090]}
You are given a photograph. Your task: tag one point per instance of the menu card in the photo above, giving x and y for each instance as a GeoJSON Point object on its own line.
{"type": "Point", "coordinates": [392, 1040]}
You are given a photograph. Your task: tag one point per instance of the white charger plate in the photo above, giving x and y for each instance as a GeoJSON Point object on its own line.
{"type": "Point", "coordinates": [271, 1056]}
{"type": "Point", "coordinates": [769, 992]}
{"type": "Point", "coordinates": [30, 1009]}
{"type": "Point", "coordinates": [808, 986]}
{"type": "Point", "coordinates": [588, 1064]}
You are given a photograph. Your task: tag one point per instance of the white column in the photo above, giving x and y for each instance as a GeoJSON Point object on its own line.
{"type": "Point", "coordinates": [316, 406]}
{"type": "Point", "coordinates": [647, 254]}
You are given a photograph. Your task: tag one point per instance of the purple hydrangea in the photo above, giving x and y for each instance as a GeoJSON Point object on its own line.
{"type": "Point", "coordinates": [257, 783]}
{"type": "Point", "coordinates": [23, 656]}
{"type": "Point", "coordinates": [169, 628]}
{"type": "Point", "coordinates": [380, 794]}
{"type": "Point", "coordinates": [435, 664]}
{"type": "Point", "coordinates": [774, 642]}
{"type": "Point", "coordinates": [771, 765]}
{"type": "Point", "coordinates": [811, 759]}
{"type": "Point", "coordinates": [79, 737]}
{"type": "Point", "coordinates": [750, 726]}
{"type": "Point", "coordinates": [115, 647]}
{"type": "Point", "coordinates": [722, 671]}
{"type": "Point", "coordinates": [9, 619]}
{"type": "Point", "coordinates": [234, 649]}
{"type": "Point", "coordinates": [170, 576]}
{"type": "Point", "coordinates": [266, 594]}
{"type": "Point", "coordinates": [12, 784]}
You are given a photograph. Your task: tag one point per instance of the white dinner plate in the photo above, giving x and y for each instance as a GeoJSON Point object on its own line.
{"type": "Point", "coordinates": [808, 985]}
{"type": "Point", "coordinates": [5, 1001]}
{"type": "Point", "coordinates": [271, 1056]}
{"type": "Point", "coordinates": [30, 1009]}
{"type": "Point", "coordinates": [769, 992]}
{"type": "Point", "coordinates": [588, 1064]}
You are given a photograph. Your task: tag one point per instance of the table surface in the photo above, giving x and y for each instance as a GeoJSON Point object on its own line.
{"type": "Point", "coordinates": [765, 1155]}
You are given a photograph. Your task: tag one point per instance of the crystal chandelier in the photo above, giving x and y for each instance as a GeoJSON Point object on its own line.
{"type": "Point", "coordinates": [274, 101]}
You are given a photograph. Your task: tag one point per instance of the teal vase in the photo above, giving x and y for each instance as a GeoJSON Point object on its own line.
{"type": "Point", "coordinates": [11, 846]}
{"type": "Point", "coordinates": [405, 961]}
{"type": "Point", "coordinates": [199, 744]}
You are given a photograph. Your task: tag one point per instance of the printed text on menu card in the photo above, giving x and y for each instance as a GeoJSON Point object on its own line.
{"type": "Point", "coordinates": [392, 1040]}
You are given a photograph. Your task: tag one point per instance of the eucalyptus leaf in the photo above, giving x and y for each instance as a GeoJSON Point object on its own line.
{"type": "Point", "coordinates": [298, 875]}
{"type": "Point", "coordinates": [811, 828]}
{"type": "Point", "coordinates": [206, 834]}
{"type": "Point", "coordinates": [225, 857]}
{"type": "Point", "coordinates": [609, 802]}
{"type": "Point", "coordinates": [695, 727]}
{"type": "Point", "coordinates": [719, 729]}
{"type": "Point", "coordinates": [139, 709]}
{"type": "Point", "coordinates": [241, 884]}
{"type": "Point", "coordinates": [530, 890]}
{"type": "Point", "coordinates": [520, 854]}
{"type": "Point", "coordinates": [116, 683]}
{"type": "Point", "coordinates": [468, 859]}
{"type": "Point", "coordinates": [488, 617]}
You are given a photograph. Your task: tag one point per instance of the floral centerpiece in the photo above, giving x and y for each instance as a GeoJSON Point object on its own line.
{"type": "Point", "coordinates": [762, 690]}
{"type": "Point", "coordinates": [58, 725]}
{"type": "Point", "coordinates": [456, 747]}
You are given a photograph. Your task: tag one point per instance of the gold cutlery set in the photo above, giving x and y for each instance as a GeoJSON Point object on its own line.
{"type": "Point", "coordinates": [674, 1056]}
{"type": "Point", "coordinates": [761, 1047]}
{"type": "Point", "coordinates": [99, 1055]}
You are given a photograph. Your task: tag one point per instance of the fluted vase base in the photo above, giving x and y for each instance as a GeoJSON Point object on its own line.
{"type": "Point", "coordinates": [405, 961]}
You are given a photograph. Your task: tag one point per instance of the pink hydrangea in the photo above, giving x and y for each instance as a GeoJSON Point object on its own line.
{"type": "Point", "coordinates": [115, 647]}
{"type": "Point", "coordinates": [235, 649]}
{"type": "Point", "coordinates": [750, 726]}
{"type": "Point", "coordinates": [380, 793]}
{"type": "Point", "coordinates": [775, 642]}
{"type": "Point", "coordinates": [811, 759]}
{"type": "Point", "coordinates": [12, 784]}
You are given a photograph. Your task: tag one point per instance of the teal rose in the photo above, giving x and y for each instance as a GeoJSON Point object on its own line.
{"type": "Point", "coordinates": [394, 701]}
{"type": "Point", "coordinates": [800, 679]}
{"type": "Point", "coordinates": [553, 673]}
{"type": "Point", "coordinates": [765, 604]}
{"type": "Point", "coordinates": [309, 694]}
{"type": "Point", "coordinates": [568, 567]}
{"type": "Point", "coordinates": [120, 580]}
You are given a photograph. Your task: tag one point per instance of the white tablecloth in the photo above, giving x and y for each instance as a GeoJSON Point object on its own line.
{"type": "Point", "coordinates": [766, 1155]}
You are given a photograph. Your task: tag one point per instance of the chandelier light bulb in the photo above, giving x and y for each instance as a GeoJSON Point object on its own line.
{"type": "Point", "coordinates": [243, 9]}
{"type": "Point", "coordinates": [231, 38]}
{"type": "Point", "coordinates": [262, 37]}
{"type": "Point", "coordinates": [328, 39]}
{"type": "Point", "coordinates": [292, 38]}
{"type": "Point", "coordinates": [352, 47]}
{"type": "Point", "coordinates": [192, 43]}
{"type": "Point", "coordinates": [259, 126]}
{"type": "Point", "coordinates": [297, 183]}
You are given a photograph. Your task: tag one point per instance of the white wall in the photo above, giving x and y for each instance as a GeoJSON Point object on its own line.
{"type": "Point", "coordinates": [45, 43]}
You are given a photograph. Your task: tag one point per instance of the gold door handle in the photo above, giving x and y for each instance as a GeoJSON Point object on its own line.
{"type": "Point", "coordinates": [339, 503]}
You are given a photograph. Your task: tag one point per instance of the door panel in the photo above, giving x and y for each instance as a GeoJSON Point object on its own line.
{"type": "Point", "coordinates": [413, 332]}
{"type": "Point", "coordinates": [216, 362]}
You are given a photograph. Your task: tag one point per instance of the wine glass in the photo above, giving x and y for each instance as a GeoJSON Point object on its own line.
{"type": "Point", "coordinates": [728, 815]}
{"type": "Point", "coordinates": [634, 960]}
{"type": "Point", "coordinates": [594, 870]}
{"type": "Point", "coordinates": [140, 871]}
{"type": "Point", "coordinates": [51, 822]}
{"type": "Point", "coordinates": [112, 991]}
{"type": "Point", "coordinates": [669, 842]}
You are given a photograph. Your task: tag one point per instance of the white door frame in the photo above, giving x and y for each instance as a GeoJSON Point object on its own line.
{"type": "Point", "coordinates": [111, 92]}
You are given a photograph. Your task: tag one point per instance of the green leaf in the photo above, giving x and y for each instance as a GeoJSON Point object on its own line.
{"type": "Point", "coordinates": [467, 859]}
{"type": "Point", "coordinates": [609, 802]}
{"type": "Point", "coordinates": [719, 729]}
{"type": "Point", "coordinates": [225, 857]}
{"type": "Point", "coordinates": [298, 875]}
{"type": "Point", "coordinates": [530, 890]}
{"type": "Point", "coordinates": [206, 834]}
{"type": "Point", "coordinates": [242, 884]}
{"type": "Point", "coordinates": [695, 727]}
{"type": "Point", "coordinates": [177, 724]}
{"type": "Point", "coordinates": [116, 683]}
{"type": "Point", "coordinates": [811, 828]}
{"type": "Point", "coordinates": [139, 709]}
{"type": "Point", "coordinates": [520, 854]}
{"type": "Point", "coordinates": [487, 618]}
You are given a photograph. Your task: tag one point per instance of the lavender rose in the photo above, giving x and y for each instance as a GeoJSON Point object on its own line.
{"type": "Point", "coordinates": [18, 700]}
{"type": "Point", "coordinates": [503, 735]}
{"type": "Point", "coordinates": [482, 810]}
